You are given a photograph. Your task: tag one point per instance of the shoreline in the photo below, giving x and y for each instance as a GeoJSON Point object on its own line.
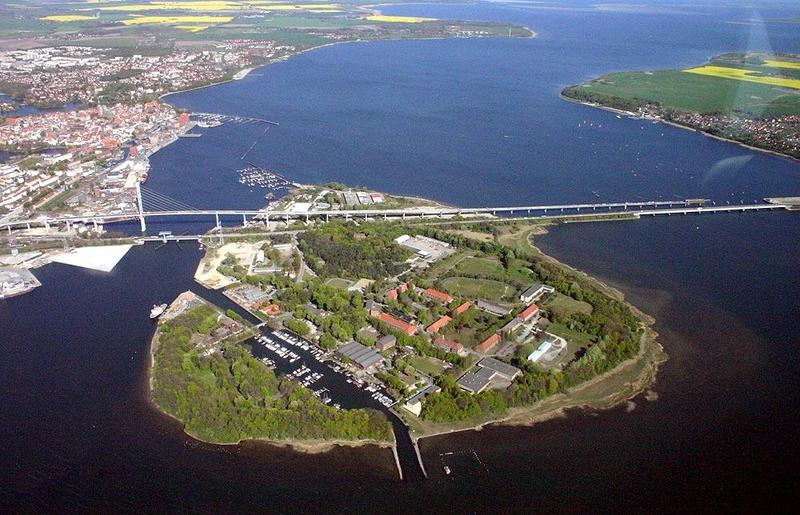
{"type": "Point", "coordinates": [557, 406]}
{"type": "Point", "coordinates": [251, 69]}
{"type": "Point", "coordinates": [632, 115]}
{"type": "Point", "coordinates": [315, 446]}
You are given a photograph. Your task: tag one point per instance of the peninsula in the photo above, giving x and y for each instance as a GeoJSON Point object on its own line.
{"type": "Point", "coordinates": [748, 98]}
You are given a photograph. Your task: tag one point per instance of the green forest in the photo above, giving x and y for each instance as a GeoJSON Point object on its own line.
{"type": "Point", "coordinates": [343, 250]}
{"type": "Point", "coordinates": [230, 396]}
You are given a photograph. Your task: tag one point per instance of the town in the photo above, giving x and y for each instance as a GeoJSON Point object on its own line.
{"type": "Point", "coordinates": [103, 150]}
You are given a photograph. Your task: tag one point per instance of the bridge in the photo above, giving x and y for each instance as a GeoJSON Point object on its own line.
{"type": "Point", "coordinates": [635, 209]}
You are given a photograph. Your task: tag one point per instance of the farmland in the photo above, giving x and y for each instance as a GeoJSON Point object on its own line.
{"type": "Point", "coordinates": [748, 98]}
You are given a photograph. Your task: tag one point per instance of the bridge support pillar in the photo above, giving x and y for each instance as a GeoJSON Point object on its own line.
{"type": "Point", "coordinates": [142, 223]}
{"type": "Point", "coordinates": [244, 220]}
{"type": "Point", "coordinates": [47, 225]}
{"type": "Point", "coordinates": [404, 216]}
{"type": "Point", "coordinates": [94, 222]}
{"type": "Point", "coordinates": [216, 217]}
{"type": "Point", "coordinates": [69, 226]}
{"type": "Point", "coordinates": [327, 217]}
{"type": "Point", "coordinates": [385, 216]}
{"type": "Point", "coordinates": [26, 225]}
{"type": "Point", "coordinates": [306, 219]}
{"type": "Point", "coordinates": [268, 222]}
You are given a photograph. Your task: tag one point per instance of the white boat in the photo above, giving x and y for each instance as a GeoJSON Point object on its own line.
{"type": "Point", "coordinates": [157, 311]}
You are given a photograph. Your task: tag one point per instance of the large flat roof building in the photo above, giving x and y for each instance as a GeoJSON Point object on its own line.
{"type": "Point", "coordinates": [362, 356]}
{"type": "Point", "coordinates": [503, 369]}
{"type": "Point", "coordinates": [477, 381]}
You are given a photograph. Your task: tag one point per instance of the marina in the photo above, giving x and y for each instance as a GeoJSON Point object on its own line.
{"type": "Point", "coordinates": [254, 176]}
{"type": "Point", "coordinates": [337, 385]}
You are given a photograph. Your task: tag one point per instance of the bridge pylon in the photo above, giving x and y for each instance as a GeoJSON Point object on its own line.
{"type": "Point", "coordinates": [141, 209]}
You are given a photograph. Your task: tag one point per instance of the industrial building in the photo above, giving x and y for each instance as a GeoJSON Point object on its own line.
{"type": "Point", "coordinates": [362, 356]}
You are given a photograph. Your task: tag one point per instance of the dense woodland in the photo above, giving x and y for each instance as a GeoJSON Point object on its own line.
{"type": "Point", "coordinates": [337, 249]}
{"type": "Point", "coordinates": [230, 396]}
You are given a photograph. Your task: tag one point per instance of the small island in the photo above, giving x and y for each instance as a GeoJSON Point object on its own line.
{"type": "Point", "coordinates": [748, 98]}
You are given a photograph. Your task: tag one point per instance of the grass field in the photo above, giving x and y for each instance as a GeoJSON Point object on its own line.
{"type": "Point", "coordinates": [485, 267]}
{"type": "Point", "coordinates": [478, 288]}
{"type": "Point", "coordinates": [754, 84]}
{"type": "Point", "coordinates": [427, 365]}
{"type": "Point", "coordinates": [560, 303]}
{"type": "Point", "coordinates": [572, 337]}
{"type": "Point", "coordinates": [336, 282]}
{"type": "Point", "coordinates": [696, 93]}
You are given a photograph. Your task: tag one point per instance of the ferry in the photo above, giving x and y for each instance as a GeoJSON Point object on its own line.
{"type": "Point", "coordinates": [157, 311]}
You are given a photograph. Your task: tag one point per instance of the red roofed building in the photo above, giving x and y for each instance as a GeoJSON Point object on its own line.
{"type": "Point", "coordinates": [397, 324]}
{"type": "Point", "coordinates": [438, 295]}
{"type": "Point", "coordinates": [528, 312]}
{"type": "Point", "coordinates": [434, 327]}
{"type": "Point", "coordinates": [183, 118]}
{"type": "Point", "coordinates": [488, 344]}
{"type": "Point", "coordinates": [449, 345]}
{"type": "Point", "coordinates": [110, 143]}
{"type": "Point", "coordinates": [403, 287]}
{"type": "Point", "coordinates": [391, 294]}
{"type": "Point", "coordinates": [463, 307]}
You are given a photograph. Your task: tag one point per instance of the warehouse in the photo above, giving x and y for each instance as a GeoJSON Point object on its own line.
{"type": "Point", "coordinates": [362, 356]}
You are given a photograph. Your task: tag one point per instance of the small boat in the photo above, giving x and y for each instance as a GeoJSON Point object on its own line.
{"type": "Point", "coordinates": [447, 470]}
{"type": "Point", "coordinates": [157, 311]}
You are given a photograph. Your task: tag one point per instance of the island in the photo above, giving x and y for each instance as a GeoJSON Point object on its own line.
{"type": "Point", "coordinates": [748, 98]}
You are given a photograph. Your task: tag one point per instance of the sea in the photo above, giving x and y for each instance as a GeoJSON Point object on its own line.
{"type": "Point", "coordinates": [473, 122]}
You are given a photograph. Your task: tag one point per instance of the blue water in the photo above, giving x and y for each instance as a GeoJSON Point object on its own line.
{"type": "Point", "coordinates": [479, 122]}
{"type": "Point", "coordinates": [432, 118]}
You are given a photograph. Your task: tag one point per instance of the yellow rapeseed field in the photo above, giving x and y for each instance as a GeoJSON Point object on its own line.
{"type": "Point", "coordinates": [191, 28]}
{"type": "Point", "coordinates": [744, 75]}
{"type": "Point", "coordinates": [782, 64]}
{"type": "Point", "coordinates": [67, 17]}
{"type": "Point", "coordinates": [268, 6]}
{"type": "Point", "coordinates": [170, 20]}
{"type": "Point", "coordinates": [397, 19]}
{"type": "Point", "coordinates": [196, 6]}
